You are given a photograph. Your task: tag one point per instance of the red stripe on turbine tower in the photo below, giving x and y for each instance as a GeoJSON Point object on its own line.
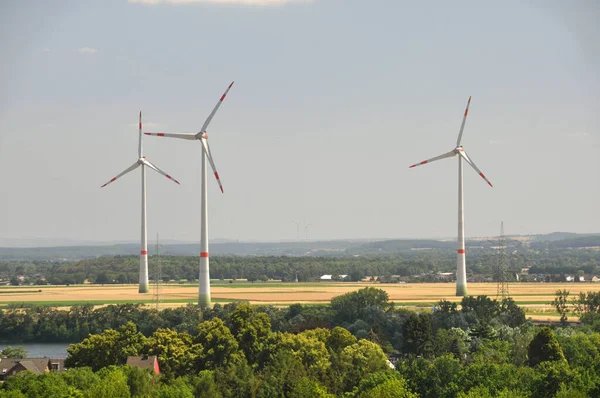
{"type": "Point", "coordinates": [461, 251]}
{"type": "Point", "coordinates": [204, 254]}
{"type": "Point", "coordinates": [144, 252]}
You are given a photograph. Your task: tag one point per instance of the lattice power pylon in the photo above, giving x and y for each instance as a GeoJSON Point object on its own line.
{"type": "Point", "coordinates": [501, 274]}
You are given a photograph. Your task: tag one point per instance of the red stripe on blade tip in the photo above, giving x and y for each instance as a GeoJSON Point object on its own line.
{"type": "Point", "coordinates": [160, 134]}
{"type": "Point", "coordinates": [423, 162]}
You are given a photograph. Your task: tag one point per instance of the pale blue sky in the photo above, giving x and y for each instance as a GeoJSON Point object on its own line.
{"type": "Point", "coordinates": [333, 101]}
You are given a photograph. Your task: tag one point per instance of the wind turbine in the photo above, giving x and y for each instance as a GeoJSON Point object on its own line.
{"type": "Point", "coordinates": [143, 162]}
{"type": "Point", "coordinates": [204, 279]}
{"type": "Point", "coordinates": [461, 271]}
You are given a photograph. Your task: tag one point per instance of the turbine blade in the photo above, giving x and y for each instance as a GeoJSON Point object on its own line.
{"type": "Point", "coordinates": [185, 136]}
{"type": "Point", "coordinates": [445, 155]}
{"type": "Point", "coordinates": [462, 126]}
{"type": "Point", "coordinates": [159, 171]}
{"type": "Point", "coordinates": [468, 160]}
{"type": "Point", "coordinates": [211, 161]}
{"type": "Point", "coordinates": [127, 170]}
{"type": "Point", "coordinates": [209, 118]}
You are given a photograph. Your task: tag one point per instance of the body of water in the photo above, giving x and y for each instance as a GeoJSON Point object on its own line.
{"type": "Point", "coordinates": [41, 350]}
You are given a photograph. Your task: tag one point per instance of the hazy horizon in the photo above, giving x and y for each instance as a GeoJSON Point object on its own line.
{"type": "Point", "coordinates": [332, 101]}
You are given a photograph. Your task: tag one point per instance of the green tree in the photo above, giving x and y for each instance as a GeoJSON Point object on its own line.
{"type": "Point", "coordinates": [81, 379]}
{"type": "Point", "coordinates": [13, 352]}
{"type": "Point", "coordinates": [417, 335]}
{"type": "Point", "coordinates": [250, 329]}
{"type": "Point", "coordinates": [551, 377]}
{"type": "Point", "coordinates": [236, 378]}
{"type": "Point", "coordinates": [174, 389]}
{"type": "Point", "coordinates": [312, 353]}
{"type": "Point", "coordinates": [340, 338]}
{"type": "Point", "coordinates": [214, 344]}
{"type": "Point", "coordinates": [112, 383]}
{"type": "Point", "coordinates": [544, 347]}
{"type": "Point", "coordinates": [204, 385]}
{"type": "Point", "coordinates": [306, 387]}
{"type": "Point", "coordinates": [112, 347]}
{"type": "Point", "coordinates": [281, 375]}
{"type": "Point", "coordinates": [484, 307]}
{"type": "Point", "coordinates": [46, 385]}
{"type": "Point", "coordinates": [175, 351]}
{"type": "Point", "coordinates": [140, 381]}
{"type": "Point", "coordinates": [350, 306]}
{"type": "Point", "coordinates": [359, 360]}
{"type": "Point", "coordinates": [561, 303]}
{"type": "Point", "coordinates": [384, 384]}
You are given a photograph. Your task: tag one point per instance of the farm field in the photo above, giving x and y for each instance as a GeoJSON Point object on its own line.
{"type": "Point", "coordinates": [534, 297]}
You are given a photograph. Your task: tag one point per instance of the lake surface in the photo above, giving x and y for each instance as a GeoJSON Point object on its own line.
{"type": "Point", "coordinates": [40, 350]}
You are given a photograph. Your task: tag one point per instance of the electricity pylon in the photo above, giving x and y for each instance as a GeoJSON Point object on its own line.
{"type": "Point", "coordinates": [501, 268]}
{"type": "Point", "coordinates": [157, 277]}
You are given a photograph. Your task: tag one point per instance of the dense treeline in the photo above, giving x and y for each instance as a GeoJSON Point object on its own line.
{"type": "Point", "coordinates": [484, 349]}
{"type": "Point", "coordinates": [424, 264]}
{"type": "Point", "coordinates": [365, 313]}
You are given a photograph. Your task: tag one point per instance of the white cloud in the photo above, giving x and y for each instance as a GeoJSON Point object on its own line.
{"type": "Point", "coordinates": [242, 2]}
{"type": "Point", "coordinates": [87, 50]}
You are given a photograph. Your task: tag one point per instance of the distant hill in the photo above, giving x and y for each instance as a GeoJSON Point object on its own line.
{"type": "Point", "coordinates": [331, 248]}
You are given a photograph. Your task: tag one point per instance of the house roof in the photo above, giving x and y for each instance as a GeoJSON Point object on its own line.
{"type": "Point", "coordinates": [35, 365]}
{"type": "Point", "coordinates": [144, 362]}
{"type": "Point", "coordinates": [7, 363]}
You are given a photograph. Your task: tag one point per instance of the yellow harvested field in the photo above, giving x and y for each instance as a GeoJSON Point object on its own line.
{"type": "Point", "coordinates": [534, 295]}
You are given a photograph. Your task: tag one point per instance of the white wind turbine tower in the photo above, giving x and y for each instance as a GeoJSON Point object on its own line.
{"type": "Point", "coordinates": [204, 277]}
{"type": "Point", "coordinates": [143, 162]}
{"type": "Point", "coordinates": [461, 271]}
